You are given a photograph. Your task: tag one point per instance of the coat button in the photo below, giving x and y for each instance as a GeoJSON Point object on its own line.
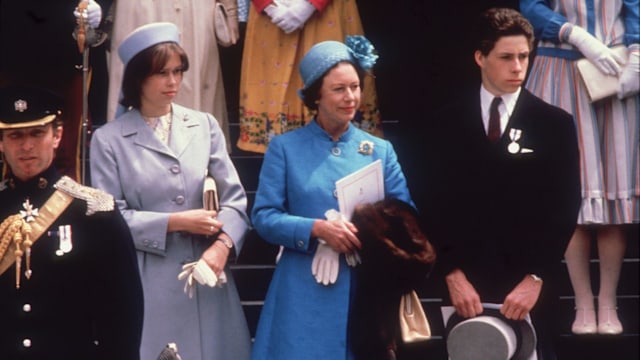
{"type": "Point", "coordinates": [26, 308]}
{"type": "Point", "coordinates": [179, 199]}
{"type": "Point", "coordinates": [336, 151]}
{"type": "Point", "coordinates": [26, 343]}
{"type": "Point", "coordinates": [155, 244]}
{"type": "Point", "coordinates": [175, 169]}
{"type": "Point", "coordinates": [300, 243]}
{"type": "Point", "coordinates": [145, 242]}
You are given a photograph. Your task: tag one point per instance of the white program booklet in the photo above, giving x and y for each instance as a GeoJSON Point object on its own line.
{"type": "Point", "coordinates": [360, 187]}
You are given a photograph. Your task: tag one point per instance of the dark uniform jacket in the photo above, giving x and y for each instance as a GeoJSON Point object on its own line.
{"type": "Point", "coordinates": [83, 304]}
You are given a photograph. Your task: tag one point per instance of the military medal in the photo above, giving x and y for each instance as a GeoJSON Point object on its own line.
{"type": "Point", "coordinates": [514, 135]}
{"type": "Point", "coordinates": [64, 234]}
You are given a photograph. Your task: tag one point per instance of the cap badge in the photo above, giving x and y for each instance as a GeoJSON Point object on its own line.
{"type": "Point", "coordinates": [20, 105]}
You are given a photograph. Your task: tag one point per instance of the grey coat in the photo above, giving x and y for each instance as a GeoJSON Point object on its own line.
{"type": "Point", "coordinates": [149, 181]}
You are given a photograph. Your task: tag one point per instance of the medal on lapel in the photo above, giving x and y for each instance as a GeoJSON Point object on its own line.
{"type": "Point", "coordinates": [514, 135]}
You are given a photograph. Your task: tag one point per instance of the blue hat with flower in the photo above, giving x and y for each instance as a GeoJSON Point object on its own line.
{"type": "Point", "coordinates": [323, 56]}
{"type": "Point", "coordinates": [146, 36]}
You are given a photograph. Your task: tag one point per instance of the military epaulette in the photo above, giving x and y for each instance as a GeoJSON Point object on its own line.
{"type": "Point", "coordinates": [97, 200]}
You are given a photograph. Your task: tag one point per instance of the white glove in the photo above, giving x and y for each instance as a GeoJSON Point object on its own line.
{"type": "Point", "coordinates": [292, 17]}
{"type": "Point", "coordinates": [202, 273]}
{"type": "Point", "coordinates": [629, 82]}
{"type": "Point", "coordinates": [353, 258]}
{"type": "Point", "coordinates": [93, 15]}
{"type": "Point", "coordinates": [593, 49]}
{"type": "Point", "coordinates": [325, 264]}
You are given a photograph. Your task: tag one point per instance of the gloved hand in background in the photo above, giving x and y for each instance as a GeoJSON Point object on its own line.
{"type": "Point", "coordinates": [629, 82]}
{"type": "Point", "coordinates": [93, 15]}
{"type": "Point", "coordinates": [290, 15]}
{"type": "Point", "coordinates": [593, 49]}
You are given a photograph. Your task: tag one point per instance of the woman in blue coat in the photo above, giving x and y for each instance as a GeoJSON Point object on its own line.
{"type": "Point", "coordinates": [304, 317]}
{"type": "Point", "coordinates": [153, 159]}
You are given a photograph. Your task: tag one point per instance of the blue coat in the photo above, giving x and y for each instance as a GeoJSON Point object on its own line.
{"type": "Point", "coordinates": [302, 319]}
{"type": "Point", "coordinates": [149, 181]}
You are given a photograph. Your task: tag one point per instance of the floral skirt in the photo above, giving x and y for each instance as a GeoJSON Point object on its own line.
{"type": "Point", "coordinates": [269, 103]}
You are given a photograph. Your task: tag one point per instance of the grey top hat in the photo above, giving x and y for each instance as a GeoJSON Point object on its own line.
{"type": "Point", "coordinates": [489, 336]}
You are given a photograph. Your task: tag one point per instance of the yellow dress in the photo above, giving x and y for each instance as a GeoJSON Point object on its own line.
{"type": "Point", "coordinates": [269, 103]}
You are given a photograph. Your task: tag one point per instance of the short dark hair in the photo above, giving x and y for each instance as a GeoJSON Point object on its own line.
{"type": "Point", "coordinates": [311, 93]}
{"type": "Point", "coordinates": [146, 63]}
{"type": "Point", "coordinates": [495, 23]}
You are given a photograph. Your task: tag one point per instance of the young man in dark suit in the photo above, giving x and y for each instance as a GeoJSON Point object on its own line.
{"type": "Point", "coordinates": [502, 194]}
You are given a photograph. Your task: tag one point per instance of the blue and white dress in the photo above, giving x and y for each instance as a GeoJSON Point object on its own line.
{"type": "Point", "coordinates": [607, 129]}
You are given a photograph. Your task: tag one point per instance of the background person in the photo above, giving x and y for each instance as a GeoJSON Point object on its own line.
{"type": "Point", "coordinates": [154, 159]}
{"type": "Point", "coordinates": [279, 34]}
{"type": "Point", "coordinates": [607, 133]}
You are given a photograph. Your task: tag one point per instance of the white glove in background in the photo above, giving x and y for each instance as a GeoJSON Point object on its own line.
{"type": "Point", "coordinates": [93, 15]}
{"type": "Point", "coordinates": [202, 273]}
{"type": "Point", "coordinates": [292, 16]}
{"type": "Point", "coordinates": [593, 49]}
{"type": "Point", "coordinates": [629, 82]}
{"type": "Point", "coordinates": [325, 264]}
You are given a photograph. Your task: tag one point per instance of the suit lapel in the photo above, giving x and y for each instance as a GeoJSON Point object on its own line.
{"type": "Point", "coordinates": [143, 136]}
{"type": "Point", "coordinates": [183, 130]}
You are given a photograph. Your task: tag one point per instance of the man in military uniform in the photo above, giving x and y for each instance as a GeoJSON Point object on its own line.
{"type": "Point", "coordinates": [69, 282]}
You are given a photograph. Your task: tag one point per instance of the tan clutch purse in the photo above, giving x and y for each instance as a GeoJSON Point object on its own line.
{"type": "Point", "coordinates": [599, 85]}
{"type": "Point", "coordinates": [210, 194]}
{"type": "Point", "coordinates": [414, 325]}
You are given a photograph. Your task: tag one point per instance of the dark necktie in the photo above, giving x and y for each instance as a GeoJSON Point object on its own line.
{"type": "Point", "coordinates": [494, 120]}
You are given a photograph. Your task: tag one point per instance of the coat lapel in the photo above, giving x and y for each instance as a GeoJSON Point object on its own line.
{"type": "Point", "coordinates": [183, 129]}
{"type": "Point", "coordinates": [143, 136]}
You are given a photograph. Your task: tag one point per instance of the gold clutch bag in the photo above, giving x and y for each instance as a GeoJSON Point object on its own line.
{"type": "Point", "coordinates": [414, 325]}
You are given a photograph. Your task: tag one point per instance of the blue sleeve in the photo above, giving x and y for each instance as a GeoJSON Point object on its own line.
{"type": "Point", "coordinates": [395, 183]}
{"type": "Point", "coordinates": [270, 214]}
{"type": "Point", "coordinates": [546, 22]}
{"type": "Point", "coordinates": [631, 15]}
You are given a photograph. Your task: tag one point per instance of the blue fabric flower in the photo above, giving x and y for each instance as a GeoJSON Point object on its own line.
{"type": "Point", "coordinates": [362, 49]}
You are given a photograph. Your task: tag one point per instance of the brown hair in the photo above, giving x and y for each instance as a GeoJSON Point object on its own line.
{"type": "Point", "coordinates": [144, 64]}
{"type": "Point", "coordinates": [495, 23]}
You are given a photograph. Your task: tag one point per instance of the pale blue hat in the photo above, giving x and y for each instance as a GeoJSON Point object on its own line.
{"type": "Point", "coordinates": [146, 36]}
{"type": "Point", "coordinates": [324, 55]}
{"type": "Point", "coordinates": [142, 38]}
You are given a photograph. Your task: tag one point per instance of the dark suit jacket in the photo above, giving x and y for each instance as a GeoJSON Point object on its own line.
{"type": "Point", "coordinates": [498, 215]}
